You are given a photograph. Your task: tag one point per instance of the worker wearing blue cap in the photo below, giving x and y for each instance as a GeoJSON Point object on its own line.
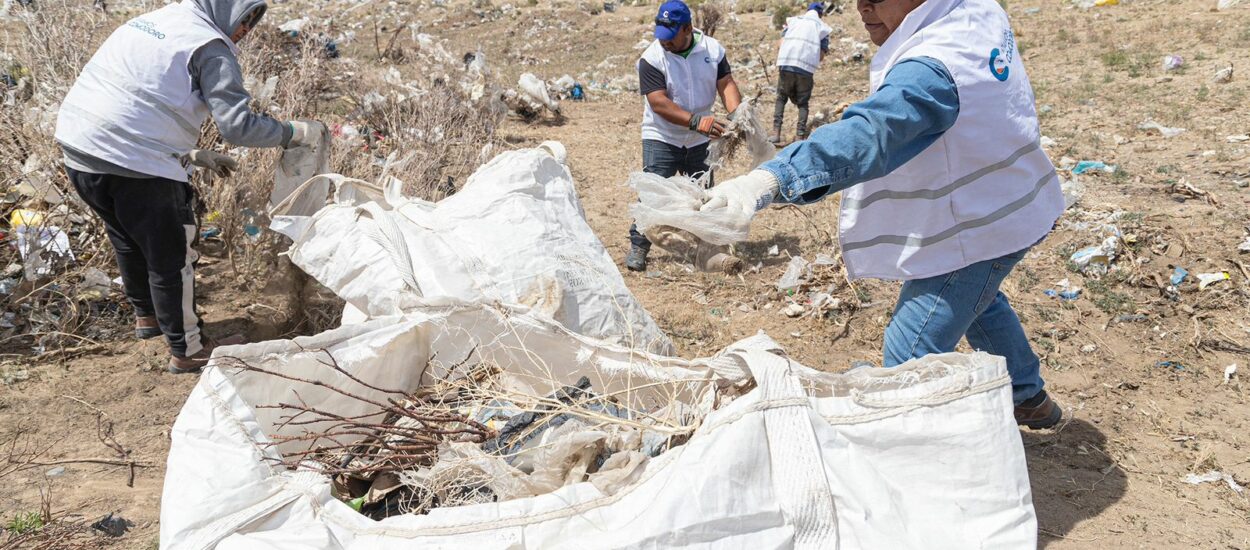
{"type": "Point", "coordinates": [804, 42]}
{"type": "Point", "coordinates": [681, 73]}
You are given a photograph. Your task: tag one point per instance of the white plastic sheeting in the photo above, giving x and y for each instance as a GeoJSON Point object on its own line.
{"type": "Point", "coordinates": [297, 166]}
{"type": "Point", "coordinates": [674, 203]}
{"type": "Point", "coordinates": [515, 234]}
{"type": "Point", "coordinates": [925, 455]}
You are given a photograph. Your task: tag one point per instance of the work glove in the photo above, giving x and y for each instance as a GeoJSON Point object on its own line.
{"type": "Point", "coordinates": [220, 165]}
{"type": "Point", "coordinates": [304, 132]}
{"type": "Point", "coordinates": [746, 194]}
{"type": "Point", "coordinates": [708, 125]}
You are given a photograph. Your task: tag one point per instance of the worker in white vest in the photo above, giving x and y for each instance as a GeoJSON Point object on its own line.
{"type": "Point", "coordinates": [128, 130]}
{"type": "Point", "coordinates": [945, 185]}
{"type": "Point", "coordinates": [680, 75]}
{"type": "Point", "coordinates": [804, 43]}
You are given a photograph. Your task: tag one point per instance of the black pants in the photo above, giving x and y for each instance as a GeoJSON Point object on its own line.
{"type": "Point", "coordinates": [667, 161]}
{"type": "Point", "coordinates": [796, 88]}
{"type": "Point", "coordinates": [151, 223]}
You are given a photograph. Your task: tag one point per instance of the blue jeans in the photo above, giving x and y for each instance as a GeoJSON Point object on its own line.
{"type": "Point", "coordinates": [667, 161]}
{"type": "Point", "coordinates": [933, 314]}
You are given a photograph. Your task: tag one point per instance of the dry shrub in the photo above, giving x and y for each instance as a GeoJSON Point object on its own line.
{"type": "Point", "coordinates": [708, 16]}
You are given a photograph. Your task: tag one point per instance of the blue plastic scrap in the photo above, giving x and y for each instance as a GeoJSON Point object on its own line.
{"type": "Point", "coordinates": [1178, 275]}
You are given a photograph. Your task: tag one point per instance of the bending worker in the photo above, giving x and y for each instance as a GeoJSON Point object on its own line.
{"type": "Point", "coordinates": [804, 43]}
{"type": "Point", "coordinates": [128, 129]}
{"type": "Point", "coordinates": [680, 74]}
{"type": "Point", "coordinates": [946, 185]}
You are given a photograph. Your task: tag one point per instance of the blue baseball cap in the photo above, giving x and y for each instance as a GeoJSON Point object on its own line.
{"type": "Point", "coordinates": [673, 15]}
{"type": "Point", "coordinates": [817, 7]}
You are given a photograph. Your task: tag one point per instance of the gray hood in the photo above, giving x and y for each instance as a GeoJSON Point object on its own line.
{"type": "Point", "coordinates": [227, 14]}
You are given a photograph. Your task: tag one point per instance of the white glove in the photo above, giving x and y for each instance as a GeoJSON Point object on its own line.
{"type": "Point", "coordinates": [303, 132]}
{"type": "Point", "coordinates": [220, 165]}
{"type": "Point", "coordinates": [747, 194]}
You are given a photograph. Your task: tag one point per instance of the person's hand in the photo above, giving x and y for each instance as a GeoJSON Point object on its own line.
{"type": "Point", "coordinates": [304, 132]}
{"type": "Point", "coordinates": [747, 194]}
{"type": "Point", "coordinates": [220, 165]}
{"type": "Point", "coordinates": [708, 125]}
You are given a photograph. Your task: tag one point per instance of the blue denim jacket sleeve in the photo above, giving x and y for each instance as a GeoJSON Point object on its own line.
{"type": "Point", "coordinates": [916, 103]}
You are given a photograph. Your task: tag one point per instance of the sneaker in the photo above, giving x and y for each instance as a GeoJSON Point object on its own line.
{"type": "Point", "coordinates": [146, 327]}
{"type": "Point", "coordinates": [1039, 412]}
{"type": "Point", "coordinates": [637, 258]}
{"type": "Point", "coordinates": [775, 139]}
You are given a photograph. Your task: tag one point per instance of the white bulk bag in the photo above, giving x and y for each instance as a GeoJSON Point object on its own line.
{"type": "Point", "coordinates": [514, 234]}
{"type": "Point", "coordinates": [925, 455]}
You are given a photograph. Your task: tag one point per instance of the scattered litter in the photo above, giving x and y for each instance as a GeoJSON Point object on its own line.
{"type": "Point", "coordinates": [1227, 4]}
{"type": "Point", "coordinates": [1096, 259]}
{"type": "Point", "coordinates": [112, 525]}
{"type": "Point", "coordinates": [94, 286]}
{"type": "Point", "coordinates": [1047, 142]}
{"type": "Point", "coordinates": [210, 232]}
{"type": "Point", "coordinates": [1237, 138]}
{"type": "Point", "coordinates": [42, 248]}
{"type": "Point", "coordinates": [793, 310]}
{"type": "Point", "coordinates": [1244, 246]}
{"type": "Point", "coordinates": [1208, 279]}
{"type": "Point", "coordinates": [1172, 62]}
{"type": "Point", "coordinates": [1229, 371]}
{"type": "Point", "coordinates": [775, 250]}
{"type": "Point", "coordinates": [1129, 317]}
{"type": "Point", "coordinates": [1215, 475]}
{"type": "Point", "coordinates": [1174, 365]}
{"type": "Point", "coordinates": [1224, 75]}
{"type": "Point", "coordinates": [1178, 275]}
{"type": "Point", "coordinates": [1087, 165]}
{"type": "Point", "coordinates": [797, 272]}
{"type": "Point", "coordinates": [1183, 190]}
{"type": "Point", "coordinates": [1089, 348]}
{"type": "Point", "coordinates": [1072, 191]}
{"type": "Point", "coordinates": [294, 27]}
{"type": "Point", "coordinates": [55, 472]}
{"type": "Point", "coordinates": [1163, 130]}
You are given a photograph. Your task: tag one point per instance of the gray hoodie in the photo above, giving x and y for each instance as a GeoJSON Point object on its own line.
{"type": "Point", "coordinates": [216, 74]}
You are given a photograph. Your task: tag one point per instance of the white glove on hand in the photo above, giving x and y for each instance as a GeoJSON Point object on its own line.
{"type": "Point", "coordinates": [303, 132]}
{"type": "Point", "coordinates": [220, 165]}
{"type": "Point", "coordinates": [747, 194]}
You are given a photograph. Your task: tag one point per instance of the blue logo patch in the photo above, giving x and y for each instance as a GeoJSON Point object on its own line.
{"type": "Point", "coordinates": [1000, 57]}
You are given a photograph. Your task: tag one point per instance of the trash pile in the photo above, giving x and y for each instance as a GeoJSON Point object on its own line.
{"type": "Point", "coordinates": [467, 438]}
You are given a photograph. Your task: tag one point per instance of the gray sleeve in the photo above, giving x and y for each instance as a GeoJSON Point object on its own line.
{"type": "Point", "coordinates": [215, 72]}
{"type": "Point", "coordinates": [650, 78]}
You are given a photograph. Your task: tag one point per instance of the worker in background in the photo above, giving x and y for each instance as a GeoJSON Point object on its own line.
{"type": "Point", "coordinates": [680, 74]}
{"type": "Point", "coordinates": [804, 43]}
{"type": "Point", "coordinates": [128, 129]}
{"type": "Point", "coordinates": [945, 185]}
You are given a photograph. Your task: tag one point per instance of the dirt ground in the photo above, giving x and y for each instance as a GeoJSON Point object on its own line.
{"type": "Point", "coordinates": [1112, 475]}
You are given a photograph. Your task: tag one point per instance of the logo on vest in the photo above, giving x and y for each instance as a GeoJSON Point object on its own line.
{"type": "Point", "coordinates": [146, 26]}
{"type": "Point", "coordinates": [1001, 56]}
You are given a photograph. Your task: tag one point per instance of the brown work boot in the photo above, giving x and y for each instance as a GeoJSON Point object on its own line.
{"type": "Point", "coordinates": [1039, 412]}
{"type": "Point", "coordinates": [146, 327]}
{"type": "Point", "coordinates": [193, 363]}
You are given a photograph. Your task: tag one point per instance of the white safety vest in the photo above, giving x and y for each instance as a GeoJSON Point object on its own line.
{"type": "Point", "coordinates": [800, 47]}
{"type": "Point", "coordinates": [985, 188]}
{"type": "Point", "coordinates": [132, 105]}
{"type": "Point", "coordinates": [691, 85]}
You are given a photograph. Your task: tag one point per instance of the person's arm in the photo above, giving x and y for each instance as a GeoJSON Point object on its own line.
{"type": "Point", "coordinates": [916, 103]}
{"type": "Point", "coordinates": [726, 86]}
{"type": "Point", "coordinates": [216, 72]}
{"type": "Point", "coordinates": [824, 47]}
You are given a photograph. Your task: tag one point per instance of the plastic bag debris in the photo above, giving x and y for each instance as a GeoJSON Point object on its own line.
{"type": "Point", "coordinates": [95, 285]}
{"type": "Point", "coordinates": [1178, 275]}
{"type": "Point", "coordinates": [41, 247]}
{"type": "Point", "coordinates": [1172, 62]}
{"type": "Point", "coordinates": [112, 525]}
{"type": "Point", "coordinates": [294, 27]}
{"type": "Point", "coordinates": [793, 310]}
{"type": "Point", "coordinates": [674, 202]}
{"type": "Point", "coordinates": [743, 127]}
{"type": "Point", "coordinates": [536, 90]}
{"type": "Point", "coordinates": [797, 272]}
{"type": "Point", "coordinates": [1215, 475]}
{"type": "Point", "coordinates": [1208, 279]}
{"type": "Point", "coordinates": [1163, 130]}
{"type": "Point", "coordinates": [1227, 4]}
{"type": "Point", "coordinates": [1096, 259]}
{"type": "Point", "coordinates": [1224, 75]}
{"type": "Point", "coordinates": [1072, 191]}
{"type": "Point", "coordinates": [1087, 165]}
{"type": "Point", "coordinates": [1065, 291]}
{"type": "Point", "coordinates": [295, 192]}
{"type": "Point", "coordinates": [1229, 371]}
